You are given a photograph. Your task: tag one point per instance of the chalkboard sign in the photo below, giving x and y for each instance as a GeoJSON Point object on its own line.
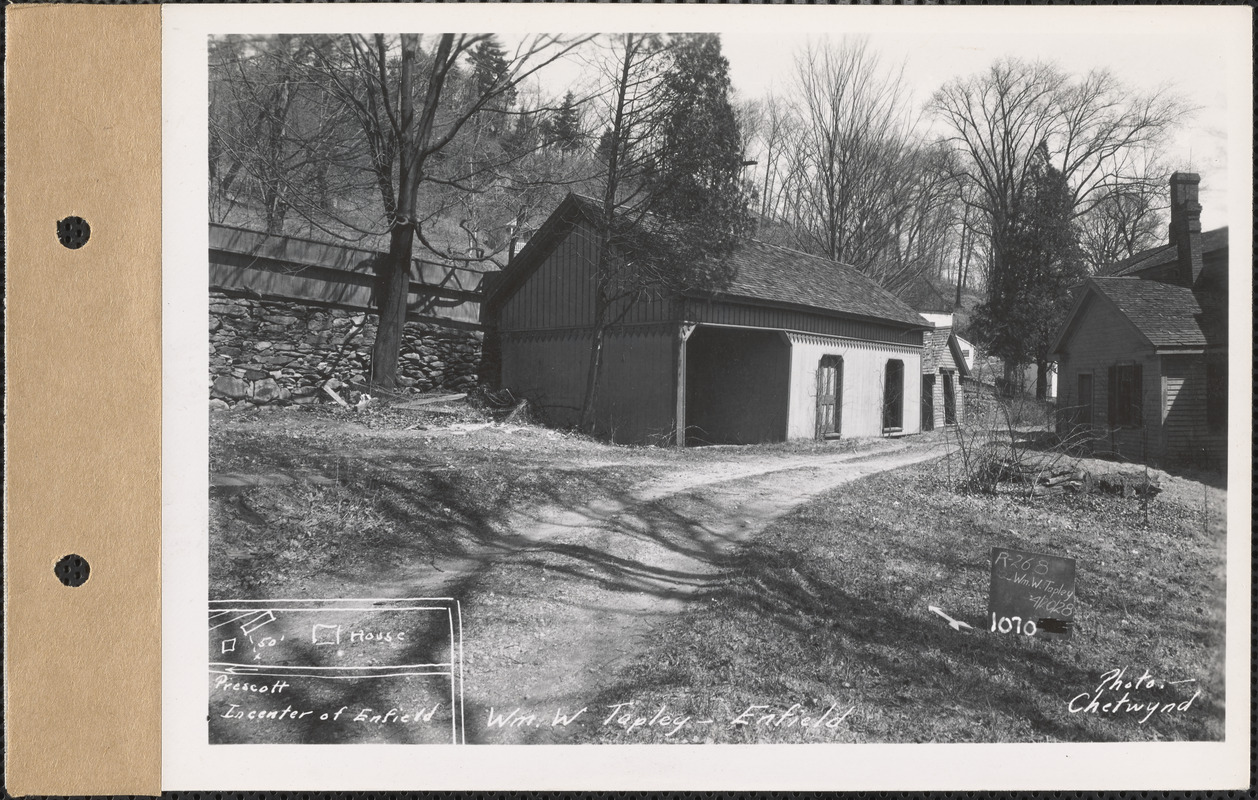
{"type": "Point", "coordinates": [1032, 594]}
{"type": "Point", "coordinates": [335, 671]}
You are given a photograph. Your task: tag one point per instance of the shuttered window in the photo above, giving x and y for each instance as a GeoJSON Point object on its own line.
{"type": "Point", "coordinates": [1125, 395]}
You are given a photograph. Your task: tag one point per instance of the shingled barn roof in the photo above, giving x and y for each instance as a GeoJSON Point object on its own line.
{"type": "Point", "coordinates": [781, 275]}
{"type": "Point", "coordinates": [768, 272]}
{"type": "Point", "coordinates": [763, 272]}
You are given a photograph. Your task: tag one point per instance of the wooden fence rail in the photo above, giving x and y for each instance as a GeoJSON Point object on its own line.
{"type": "Point", "coordinates": [246, 262]}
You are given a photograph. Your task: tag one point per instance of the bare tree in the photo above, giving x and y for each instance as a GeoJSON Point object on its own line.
{"type": "Point", "coordinates": [1128, 217]}
{"type": "Point", "coordinates": [921, 222]}
{"type": "Point", "coordinates": [391, 117]}
{"type": "Point", "coordinates": [1017, 119]}
{"type": "Point", "coordinates": [633, 66]}
{"type": "Point", "coordinates": [1096, 131]}
{"type": "Point", "coordinates": [277, 147]}
{"type": "Point", "coordinates": [853, 144]}
{"type": "Point", "coordinates": [774, 143]}
{"type": "Point", "coordinates": [843, 174]}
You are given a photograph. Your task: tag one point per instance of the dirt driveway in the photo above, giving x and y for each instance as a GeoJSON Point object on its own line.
{"type": "Point", "coordinates": [551, 612]}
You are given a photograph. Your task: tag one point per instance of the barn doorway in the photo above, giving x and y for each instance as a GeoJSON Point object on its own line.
{"type": "Point", "coordinates": [737, 386]}
{"type": "Point", "coordinates": [830, 397]}
{"type": "Point", "coordinates": [893, 397]}
{"type": "Point", "coordinates": [950, 397]}
{"type": "Point", "coordinates": [928, 402]}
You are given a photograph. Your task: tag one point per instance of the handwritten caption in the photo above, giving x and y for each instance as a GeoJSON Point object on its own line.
{"type": "Point", "coordinates": [1114, 696]}
{"type": "Point", "coordinates": [632, 717]}
{"type": "Point", "coordinates": [330, 671]}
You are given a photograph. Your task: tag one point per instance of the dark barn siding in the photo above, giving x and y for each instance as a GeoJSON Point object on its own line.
{"type": "Point", "coordinates": [635, 402]}
{"type": "Point", "coordinates": [560, 293]}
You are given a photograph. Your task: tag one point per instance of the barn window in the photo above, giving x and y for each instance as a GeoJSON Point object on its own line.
{"type": "Point", "coordinates": [1125, 396]}
{"type": "Point", "coordinates": [1216, 396]}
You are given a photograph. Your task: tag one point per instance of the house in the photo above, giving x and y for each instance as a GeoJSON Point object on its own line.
{"type": "Point", "coordinates": [944, 367]}
{"type": "Point", "coordinates": [796, 346]}
{"type": "Point", "coordinates": [1143, 353]}
{"type": "Point", "coordinates": [945, 360]}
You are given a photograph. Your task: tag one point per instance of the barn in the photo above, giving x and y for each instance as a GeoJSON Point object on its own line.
{"type": "Point", "coordinates": [1143, 353]}
{"type": "Point", "coordinates": [795, 347]}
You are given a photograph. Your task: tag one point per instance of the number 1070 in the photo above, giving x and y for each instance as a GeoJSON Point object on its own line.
{"type": "Point", "coordinates": [1013, 625]}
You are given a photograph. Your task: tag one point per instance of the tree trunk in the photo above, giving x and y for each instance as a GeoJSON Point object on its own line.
{"type": "Point", "coordinates": [592, 378]}
{"type": "Point", "coordinates": [601, 304]}
{"type": "Point", "coordinates": [961, 258]}
{"type": "Point", "coordinates": [1041, 379]}
{"type": "Point", "coordinates": [394, 287]}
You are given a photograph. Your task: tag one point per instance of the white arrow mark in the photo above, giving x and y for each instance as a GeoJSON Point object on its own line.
{"type": "Point", "coordinates": [955, 624]}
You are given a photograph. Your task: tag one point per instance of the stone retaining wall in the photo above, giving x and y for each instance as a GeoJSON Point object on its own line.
{"type": "Point", "coordinates": [266, 352]}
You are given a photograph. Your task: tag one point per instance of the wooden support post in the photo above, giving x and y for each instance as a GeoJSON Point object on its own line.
{"type": "Point", "coordinates": [679, 416]}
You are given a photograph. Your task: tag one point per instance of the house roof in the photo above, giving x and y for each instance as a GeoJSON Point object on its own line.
{"type": "Point", "coordinates": [762, 272]}
{"type": "Point", "coordinates": [922, 295]}
{"type": "Point", "coordinates": [939, 343]}
{"type": "Point", "coordinates": [1162, 255]}
{"type": "Point", "coordinates": [1168, 316]}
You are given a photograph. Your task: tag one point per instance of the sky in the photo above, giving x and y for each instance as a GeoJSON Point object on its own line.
{"type": "Point", "coordinates": [759, 65]}
{"type": "Point", "coordinates": [1146, 48]}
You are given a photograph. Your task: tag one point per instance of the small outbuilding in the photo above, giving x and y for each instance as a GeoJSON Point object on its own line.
{"type": "Point", "coordinates": [1143, 354]}
{"type": "Point", "coordinates": [946, 358]}
{"type": "Point", "coordinates": [795, 347]}
{"type": "Point", "coordinates": [943, 369]}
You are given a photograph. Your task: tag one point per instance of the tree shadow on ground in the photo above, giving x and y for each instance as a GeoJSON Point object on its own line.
{"type": "Point", "coordinates": [913, 663]}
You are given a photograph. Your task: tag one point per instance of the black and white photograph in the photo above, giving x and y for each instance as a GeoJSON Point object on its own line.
{"type": "Point", "coordinates": [712, 384]}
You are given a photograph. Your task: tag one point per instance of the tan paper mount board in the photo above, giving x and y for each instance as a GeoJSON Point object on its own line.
{"type": "Point", "coordinates": [83, 400]}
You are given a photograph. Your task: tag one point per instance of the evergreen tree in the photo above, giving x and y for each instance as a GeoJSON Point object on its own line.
{"type": "Point", "coordinates": [696, 180]}
{"type": "Point", "coordinates": [489, 69]}
{"type": "Point", "coordinates": [564, 126]}
{"type": "Point", "coordinates": [1029, 296]}
{"type": "Point", "coordinates": [490, 73]}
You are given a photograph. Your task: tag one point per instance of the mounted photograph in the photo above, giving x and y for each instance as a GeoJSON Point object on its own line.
{"type": "Point", "coordinates": [713, 386]}
{"type": "Point", "coordinates": [704, 415]}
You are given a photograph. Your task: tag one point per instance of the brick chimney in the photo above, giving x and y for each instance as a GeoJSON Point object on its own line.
{"type": "Point", "coordinates": [1185, 231]}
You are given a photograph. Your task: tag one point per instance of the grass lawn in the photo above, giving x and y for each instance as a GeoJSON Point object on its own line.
{"type": "Point", "coordinates": [827, 609]}
{"type": "Point", "coordinates": [406, 493]}
{"type": "Point", "coordinates": [392, 505]}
